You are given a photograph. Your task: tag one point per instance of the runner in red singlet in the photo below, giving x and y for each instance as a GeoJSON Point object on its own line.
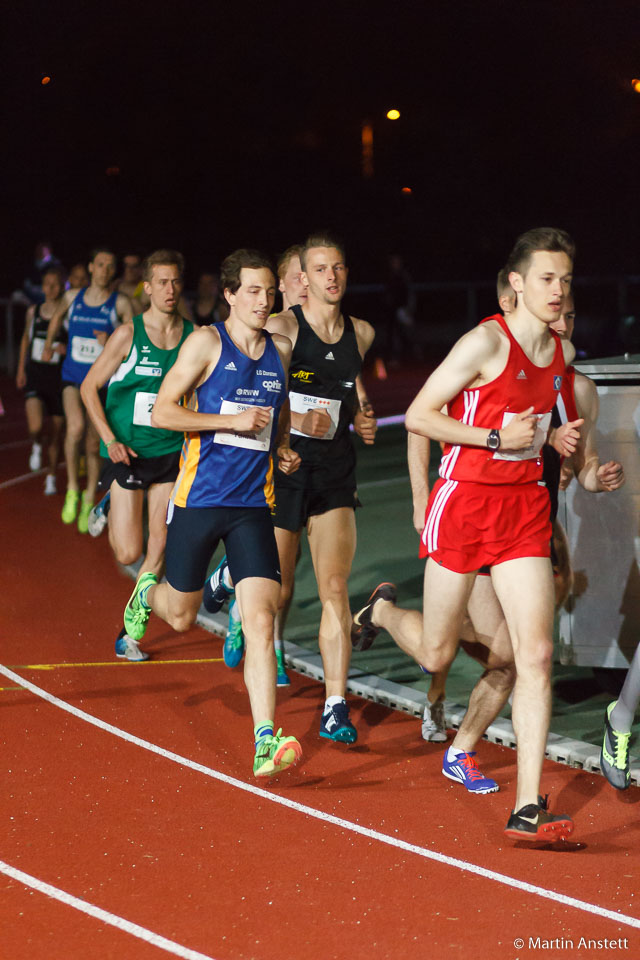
{"type": "Point", "coordinates": [499, 383]}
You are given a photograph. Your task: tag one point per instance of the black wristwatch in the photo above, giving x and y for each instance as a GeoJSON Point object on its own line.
{"type": "Point", "coordinates": [493, 440]}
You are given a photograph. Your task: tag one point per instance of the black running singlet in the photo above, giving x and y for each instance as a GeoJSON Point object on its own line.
{"type": "Point", "coordinates": [324, 375]}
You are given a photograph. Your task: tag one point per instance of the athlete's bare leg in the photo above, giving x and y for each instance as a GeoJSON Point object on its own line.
{"type": "Point", "coordinates": [55, 442]}
{"type": "Point", "coordinates": [431, 637]}
{"type": "Point", "coordinates": [332, 541]}
{"type": "Point", "coordinates": [486, 639]}
{"type": "Point", "coordinates": [125, 524]}
{"type": "Point", "coordinates": [34, 410]}
{"type": "Point", "coordinates": [525, 591]}
{"type": "Point", "coordinates": [288, 542]}
{"type": "Point", "coordinates": [157, 499]}
{"type": "Point", "coordinates": [74, 413]}
{"type": "Point", "coordinates": [92, 449]}
{"type": "Point", "coordinates": [258, 600]}
{"type": "Point", "coordinates": [563, 579]}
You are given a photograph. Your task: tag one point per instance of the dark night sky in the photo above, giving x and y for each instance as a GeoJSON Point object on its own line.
{"type": "Point", "coordinates": [239, 124]}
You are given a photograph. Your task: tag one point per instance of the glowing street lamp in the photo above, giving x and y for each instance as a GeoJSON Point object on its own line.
{"type": "Point", "coordinates": [635, 83]}
{"type": "Point", "coordinates": [366, 136]}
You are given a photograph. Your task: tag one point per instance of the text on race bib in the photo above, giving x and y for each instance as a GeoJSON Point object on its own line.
{"type": "Point", "coordinates": [258, 441]}
{"type": "Point", "coordinates": [302, 403]}
{"type": "Point", "coordinates": [142, 407]}
{"type": "Point", "coordinates": [85, 349]}
{"type": "Point", "coordinates": [539, 438]}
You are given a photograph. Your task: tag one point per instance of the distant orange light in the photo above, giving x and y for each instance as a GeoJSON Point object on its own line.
{"type": "Point", "coordinates": [45, 81]}
{"type": "Point", "coordinates": [635, 83]}
{"type": "Point", "coordinates": [112, 171]}
{"type": "Point", "coordinates": [393, 114]}
{"type": "Point", "coordinates": [407, 190]}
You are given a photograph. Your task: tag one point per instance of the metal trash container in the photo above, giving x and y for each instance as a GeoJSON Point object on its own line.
{"type": "Point", "coordinates": [600, 624]}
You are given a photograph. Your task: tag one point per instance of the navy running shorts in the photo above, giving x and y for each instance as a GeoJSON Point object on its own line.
{"type": "Point", "coordinates": [193, 534]}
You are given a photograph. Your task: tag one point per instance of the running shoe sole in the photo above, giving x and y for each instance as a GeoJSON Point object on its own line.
{"type": "Point", "coordinates": [363, 631]}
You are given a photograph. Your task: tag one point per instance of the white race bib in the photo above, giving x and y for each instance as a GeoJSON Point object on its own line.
{"type": "Point", "coordinates": [302, 403]}
{"type": "Point", "coordinates": [142, 408]}
{"type": "Point", "coordinates": [258, 441]}
{"type": "Point", "coordinates": [539, 438]}
{"type": "Point", "coordinates": [85, 349]}
{"type": "Point", "coordinates": [36, 351]}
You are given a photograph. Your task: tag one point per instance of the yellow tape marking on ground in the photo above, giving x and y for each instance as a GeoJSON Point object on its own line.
{"type": "Point", "coordinates": [111, 663]}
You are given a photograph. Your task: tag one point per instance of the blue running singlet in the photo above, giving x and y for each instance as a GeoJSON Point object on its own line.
{"type": "Point", "coordinates": [222, 468]}
{"type": "Point", "coordinates": [83, 348]}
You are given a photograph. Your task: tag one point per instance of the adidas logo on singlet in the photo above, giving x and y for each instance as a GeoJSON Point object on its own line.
{"type": "Point", "coordinates": [521, 376]}
{"type": "Point", "coordinates": [231, 366]}
{"type": "Point", "coordinates": [330, 356]}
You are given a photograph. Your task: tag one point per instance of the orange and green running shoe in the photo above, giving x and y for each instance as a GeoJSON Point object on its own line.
{"type": "Point", "coordinates": [274, 754]}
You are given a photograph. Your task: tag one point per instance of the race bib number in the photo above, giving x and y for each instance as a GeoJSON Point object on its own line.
{"type": "Point", "coordinates": [302, 403]}
{"type": "Point", "coordinates": [85, 349]}
{"type": "Point", "coordinates": [142, 407]}
{"type": "Point", "coordinates": [250, 441]}
{"type": "Point", "coordinates": [36, 351]}
{"type": "Point", "coordinates": [539, 437]}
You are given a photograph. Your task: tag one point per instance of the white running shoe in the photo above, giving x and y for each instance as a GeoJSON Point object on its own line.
{"type": "Point", "coordinates": [50, 485]}
{"type": "Point", "coordinates": [434, 727]}
{"type": "Point", "coordinates": [127, 648]}
{"type": "Point", "coordinates": [99, 516]}
{"type": "Point", "coordinates": [35, 460]}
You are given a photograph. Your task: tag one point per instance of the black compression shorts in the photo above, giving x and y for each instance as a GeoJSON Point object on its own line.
{"type": "Point", "coordinates": [193, 534]}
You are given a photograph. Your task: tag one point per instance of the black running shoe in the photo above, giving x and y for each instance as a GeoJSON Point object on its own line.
{"type": "Point", "coordinates": [363, 630]}
{"type": "Point", "coordinates": [215, 589]}
{"type": "Point", "coordinates": [534, 822]}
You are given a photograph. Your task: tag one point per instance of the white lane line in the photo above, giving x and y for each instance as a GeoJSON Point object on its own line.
{"type": "Point", "coordinates": [112, 919]}
{"type": "Point", "coordinates": [327, 817]}
{"type": "Point", "coordinates": [23, 478]}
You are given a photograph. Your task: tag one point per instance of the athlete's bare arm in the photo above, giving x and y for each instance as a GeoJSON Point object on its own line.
{"type": "Point", "coordinates": [288, 459]}
{"type": "Point", "coordinates": [313, 423]}
{"type": "Point", "coordinates": [478, 357]}
{"type": "Point", "coordinates": [196, 361]}
{"type": "Point", "coordinates": [116, 350]}
{"type": "Point", "coordinates": [418, 456]}
{"type": "Point", "coordinates": [21, 373]}
{"type": "Point", "coordinates": [124, 308]}
{"type": "Point", "coordinates": [284, 323]}
{"type": "Point", "coordinates": [592, 475]}
{"type": "Point", "coordinates": [364, 421]}
{"type": "Point", "coordinates": [56, 322]}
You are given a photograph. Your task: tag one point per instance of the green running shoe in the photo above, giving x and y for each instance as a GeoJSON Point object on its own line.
{"type": "Point", "coordinates": [70, 508]}
{"type": "Point", "coordinates": [83, 516]}
{"type": "Point", "coordinates": [614, 756]}
{"type": "Point", "coordinates": [233, 648]}
{"type": "Point", "coordinates": [274, 754]}
{"type": "Point", "coordinates": [136, 612]}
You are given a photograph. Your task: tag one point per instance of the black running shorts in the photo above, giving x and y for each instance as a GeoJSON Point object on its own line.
{"type": "Point", "coordinates": [142, 472]}
{"type": "Point", "coordinates": [312, 490]}
{"type": "Point", "coordinates": [193, 534]}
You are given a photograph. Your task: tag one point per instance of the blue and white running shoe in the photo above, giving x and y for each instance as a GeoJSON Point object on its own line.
{"type": "Point", "coordinates": [464, 769]}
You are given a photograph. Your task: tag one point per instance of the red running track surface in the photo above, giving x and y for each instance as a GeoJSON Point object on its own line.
{"type": "Point", "coordinates": [173, 838]}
